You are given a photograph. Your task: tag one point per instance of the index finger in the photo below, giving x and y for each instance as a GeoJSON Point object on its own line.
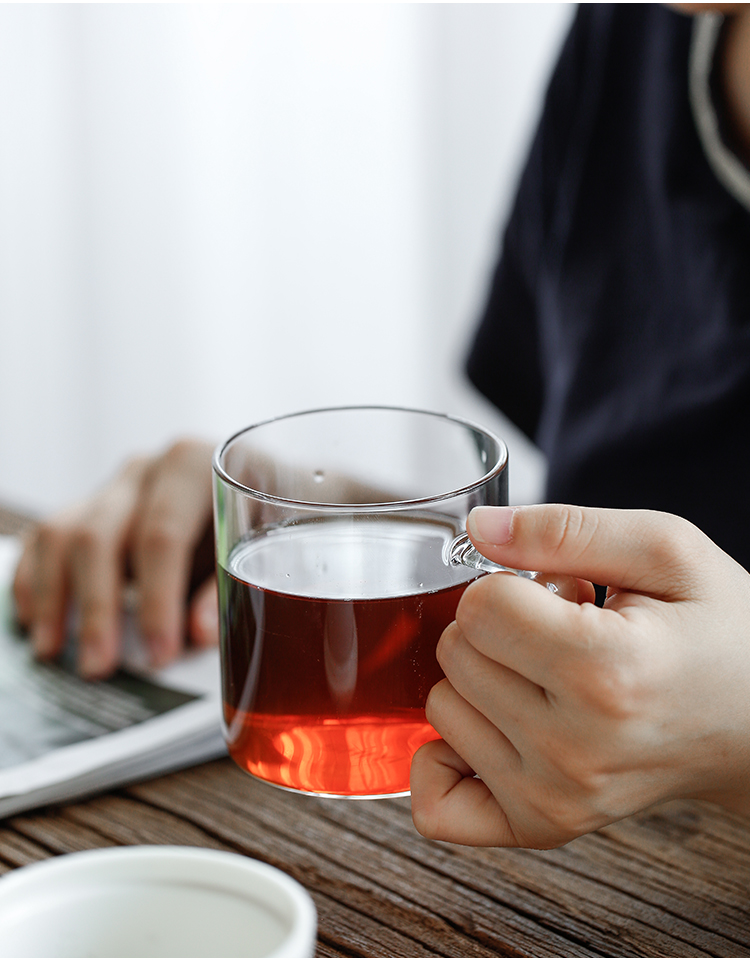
{"type": "Point", "coordinates": [535, 633]}
{"type": "Point", "coordinates": [97, 564]}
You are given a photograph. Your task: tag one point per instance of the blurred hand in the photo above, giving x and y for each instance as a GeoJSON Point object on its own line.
{"type": "Point", "coordinates": [573, 716]}
{"type": "Point", "coordinates": [151, 526]}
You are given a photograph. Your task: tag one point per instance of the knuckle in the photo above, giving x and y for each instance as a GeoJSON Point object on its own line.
{"type": "Point", "coordinates": [566, 524]}
{"type": "Point", "coordinates": [86, 540]}
{"type": "Point", "coordinates": [425, 813]}
{"type": "Point", "coordinates": [447, 644]}
{"type": "Point", "coordinates": [160, 537]}
{"type": "Point", "coordinates": [576, 793]}
{"type": "Point", "coordinates": [161, 530]}
{"type": "Point", "coordinates": [673, 546]}
{"type": "Point", "coordinates": [183, 452]}
{"type": "Point", "coordinates": [580, 772]}
{"type": "Point", "coordinates": [474, 603]}
{"type": "Point", "coordinates": [50, 536]}
{"type": "Point", "coordinates": [612, 688]}
{"type": "Point", "coordinates": [435, 701]}
{"type": "Point", "coordinates": [178, 450]}
{"type": "Point", "coordinates": [617, 693]}
{"type": "Point", "coordinates": [135, 466]}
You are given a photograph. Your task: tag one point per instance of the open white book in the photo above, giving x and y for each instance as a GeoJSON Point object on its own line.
{"type": "Point", "coordinates": [63, 738]}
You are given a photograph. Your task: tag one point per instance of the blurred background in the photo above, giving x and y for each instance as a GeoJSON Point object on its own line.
{"type": "Point", "coordinates": [212, 214]}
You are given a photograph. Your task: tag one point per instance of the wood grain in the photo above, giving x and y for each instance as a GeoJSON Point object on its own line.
{"type": "Point", "coordinates": [670, 882]}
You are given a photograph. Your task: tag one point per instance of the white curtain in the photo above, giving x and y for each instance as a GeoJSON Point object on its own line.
{"type": "Point", "coordinates": [212, 214]}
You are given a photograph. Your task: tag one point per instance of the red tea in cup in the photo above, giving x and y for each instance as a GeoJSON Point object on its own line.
{"type": "Point", "coordinates": [326, 694]}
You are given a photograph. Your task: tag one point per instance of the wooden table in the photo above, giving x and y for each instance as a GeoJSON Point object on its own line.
{"type": "Point", "coordinates": [673, 881]}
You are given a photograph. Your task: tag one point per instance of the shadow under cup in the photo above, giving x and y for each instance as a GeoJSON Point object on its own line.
{"type": "Point", "coordinates": [336, 538]}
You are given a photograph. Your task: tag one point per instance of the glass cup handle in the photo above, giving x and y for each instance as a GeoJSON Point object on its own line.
{"type": "Point", "coordinates": [461, 551]}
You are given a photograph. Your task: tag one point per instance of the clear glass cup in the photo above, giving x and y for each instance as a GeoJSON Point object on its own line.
{"type": "Point", "coordinates": [342, 554]}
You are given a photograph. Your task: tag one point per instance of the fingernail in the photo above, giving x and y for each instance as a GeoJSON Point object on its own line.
{"type": "Point", "coordinates": [42, 640]}
{"type": "Point", "coordinates": [491, 525]}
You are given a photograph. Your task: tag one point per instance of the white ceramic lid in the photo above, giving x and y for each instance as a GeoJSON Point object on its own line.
{"type": "Point", "coordinates": [154, 901]}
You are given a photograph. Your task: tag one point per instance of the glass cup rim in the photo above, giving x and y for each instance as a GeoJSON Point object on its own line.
{"type": "Point", "coordinates": [368, 508]}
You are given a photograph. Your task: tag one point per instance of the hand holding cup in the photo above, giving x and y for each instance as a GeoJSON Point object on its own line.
{"type": "Point", "coordinates": [559, 717]}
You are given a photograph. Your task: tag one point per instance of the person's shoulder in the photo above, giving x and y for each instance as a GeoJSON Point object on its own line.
{"type": "Point", "coordinates": [622, 22]}
{"type": "Point", "coordinates": [623, 33]}
{"type": "Point", "coordinates": [619, 62]}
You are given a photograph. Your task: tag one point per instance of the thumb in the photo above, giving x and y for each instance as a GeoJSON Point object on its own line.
{"type": "Point", "coordinates": [645, 551]}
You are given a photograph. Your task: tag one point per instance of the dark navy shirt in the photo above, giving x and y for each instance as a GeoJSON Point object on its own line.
{"type": "Point", "coordinates": [617, 330]}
